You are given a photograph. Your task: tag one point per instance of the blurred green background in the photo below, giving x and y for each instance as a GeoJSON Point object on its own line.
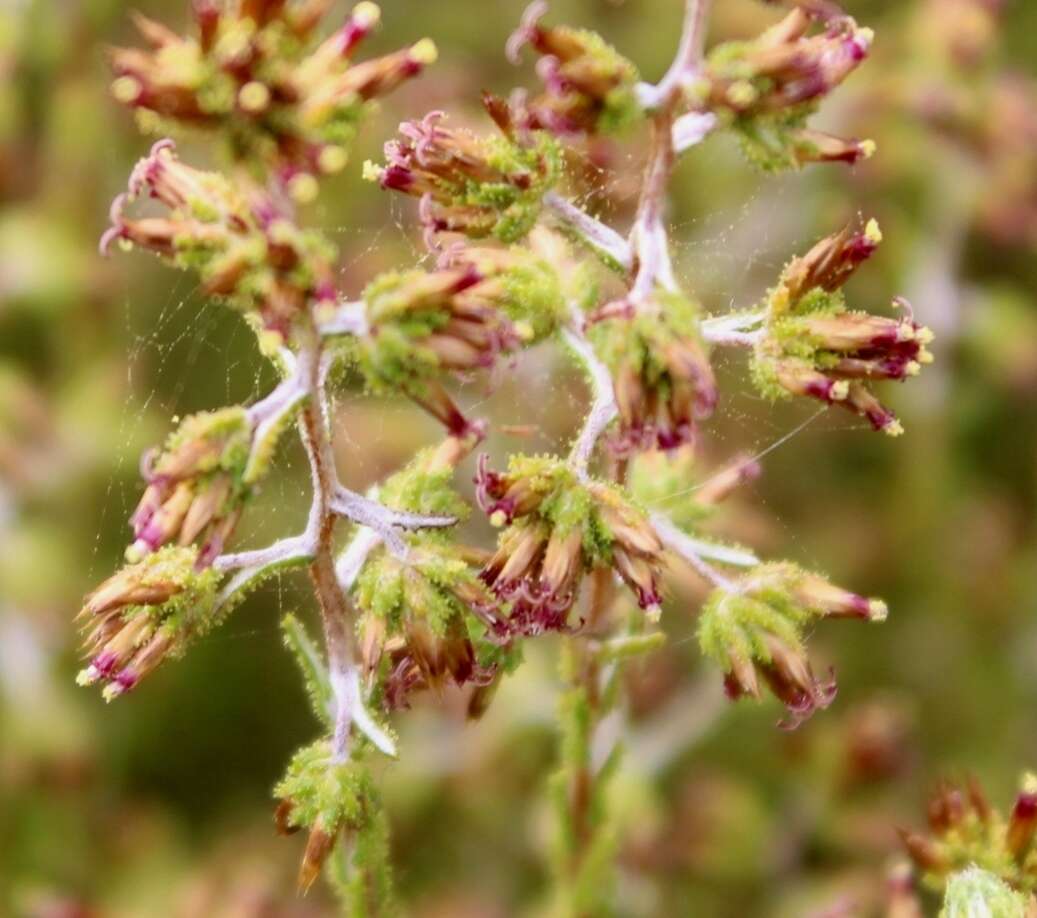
{"type": "Point", "coordinates": [160, 804]}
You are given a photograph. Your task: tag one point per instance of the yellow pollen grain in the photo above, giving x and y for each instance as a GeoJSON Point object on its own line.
{"type": "Point", "coordinates": [839, 391]}
{"type": "Point", "coordinates": [925, 356]}
{"type": "Point", "coordinates": [524, 330]}
{"type": "Point", "coordinates": [498, 518]}
{"type": "Point", "coordinates": [126, 89]}
{"type": "Point", "coordinates": [924, 336]}
{"type": "Point", "coordinates": [912, 368]}
{"type": "Point", "coordinates": [372, 172]}
{"type": "Point", "coordinates": [893, 429]}
{"type": "Point", "coordinates": [366, 14]}
{"type": "Point", "coordinates": [872, 232]}
{"type": "Point", "coordinates": [865, 36]}
{"type": "Point", "coordinates": [868, 148]}
{"type": "Point", "coordinates": [254, 97]}
{"type": "Point", "coordinates": [878, 611]}
{"type": "Point", "coordinates": [424, 52]}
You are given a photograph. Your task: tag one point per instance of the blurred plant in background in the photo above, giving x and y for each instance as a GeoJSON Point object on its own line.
{"type": "Point", "coordinates": [709, 811]}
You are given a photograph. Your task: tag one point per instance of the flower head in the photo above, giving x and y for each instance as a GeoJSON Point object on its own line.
{"type": "Point", "coordinates": [478, 186]}
{"type": "Point", "coordinates": [767, 88]}
{"type": "Point", "coordinates": [755, 630]}
{"type": "Point", "coordinates": [326, 797]}
{"type": "Point", "coordinates": [814, 346]}
{"type": "Point", "coordinates": [426, 614]}
{"type": "Point", "coordinates": [243, 246]}
{"type": "Point", "coordinates": [589, 87]}
{"type": "Point", "coordinates": [662, 376]}
{"type": "Point", "coordinates": [196, 485]}
{"type": "Point", "coordinates": [558, 528]}
{"type": "Point", "coordinates": [966, 829]}
{"type": "Point", "coordinates": [144, 613]}
{"type": "Point", "coordinates": [252, 74]}
{"type": "Point", "coordinates": [423, 324]}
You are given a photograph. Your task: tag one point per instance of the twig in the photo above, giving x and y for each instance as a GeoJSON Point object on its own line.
{"type": "Point", "coordinates": [603, 407]}
{"type": "Point", "coordinates": [347, 318]}
{"type": "Point", "coordinates": [597, 236]}
{"type": "Point", "coordinates": [692, 551]}
{"type": "Point", "coordinates": [691, 129]}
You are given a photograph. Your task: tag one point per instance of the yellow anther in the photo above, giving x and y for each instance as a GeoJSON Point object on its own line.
{"type": "Point", "coordinates": [366, 14]}
{"type": "Point", "coordinates": [424, 52]}
{"type": "Point", "coordinates": [126, 89]}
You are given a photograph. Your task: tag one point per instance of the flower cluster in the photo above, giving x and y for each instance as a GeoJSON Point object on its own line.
{"type": "Point", "coordinates": [664, 383]}
{"type": "Point", "coordinates": [478, 186]}
{"type": "Point", "coordinates": [558, 528]}
{"type": "Point", "coordinates": [251, 75]}
{"type": "Point", "coordinates": [589, 87]}
{"type": "Point", "coordinates": [144, 613]}
{"type": "Point", "coordinates": [453, 319]}
{"type": "Point", "coordinates": [244, 246]}
{"type": "Point", "coordinates": [756, 629]}
{"type": "Point", "coordinates": [326, 797]}
{"type": "Point", "coordinates": [965, 829]}
{"type": "Point", "coordinates": [767, 88]}
{"type": "Point", "coordinates": [196, 485]}
{"type": "Point", "coordinates": [425, 614]}
{"type": "Point", "coordinates": [813, 345]}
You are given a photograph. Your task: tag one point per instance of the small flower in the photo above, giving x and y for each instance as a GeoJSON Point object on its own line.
{"type": "Point", "coordinates": [814, 346]}
{"type": "Point", "coordinates": [965, 829]}
{"type": "Point", "coordinates": [196, 486]}
{"type": "Point", "coordinates": [589, 87]}
{"type": "Point", "coordinates": [558, 528]}
{"type": "Point", "coordinates": [326, 797]}
{"type": "Point", "coordinates": [767, 88]}
{"type": "Point", "coordinates": [245, 249]}
{"type": "Point", "coordinates": [527, 288]}
{"type": "Point", "coordinates": [422, 324]}
{"type": "Point", "coordinates": [478, 186]}
{"type": "Point", "coordinates": [249, 75]}
{"type": "Point", "coordinates": [663, 380]}
{"type": "Point", "coordinates": [144, 613]}
{"type": "Point", "coordinates": [426, 614]}
{"type": "Point", "coordinates": [755, 630]}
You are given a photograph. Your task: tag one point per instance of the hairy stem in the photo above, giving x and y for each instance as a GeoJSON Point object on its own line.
{"type": "Point", "coordinates": [597, 236]}
{"type": "Point", "coordinates": [603, 406]}
{"type": "Point", "coordinates": [334, 607]}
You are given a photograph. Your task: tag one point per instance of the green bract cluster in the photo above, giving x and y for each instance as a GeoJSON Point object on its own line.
{"type": "Point", "coordinates": [516, 208]}
{"type": "Point", "coordinates": [324, 793]}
